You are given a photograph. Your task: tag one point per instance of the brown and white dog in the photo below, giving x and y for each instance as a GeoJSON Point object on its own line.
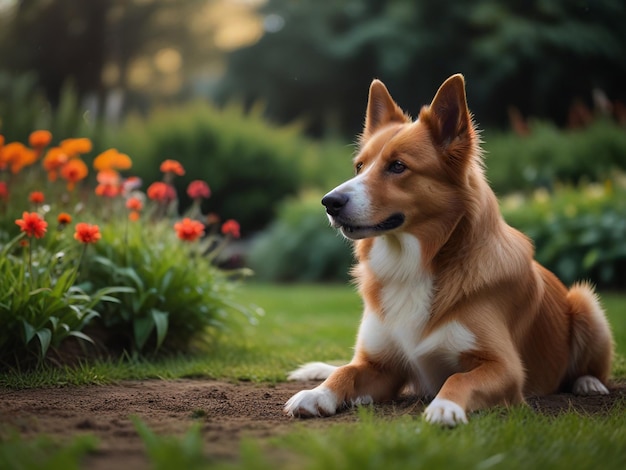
{"type": "Point", "coordinates": [455, 306]}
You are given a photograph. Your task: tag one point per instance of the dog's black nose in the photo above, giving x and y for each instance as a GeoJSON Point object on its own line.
{"type": "Point", "coordinates": [334, 202]}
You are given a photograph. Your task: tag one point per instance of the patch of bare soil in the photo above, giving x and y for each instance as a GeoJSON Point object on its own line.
{"type": "Point", "coordinates": [227, 413]}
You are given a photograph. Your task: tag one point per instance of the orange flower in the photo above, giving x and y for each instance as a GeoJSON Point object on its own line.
{"type": "Point", "coordinates": [111, 159]}
{"type": "Point", "coordinates": [36, 197]}
{"type": "Point", "coordinates": [133, 216]}
{"type": "Point", "coordinates": [76, 147]}
{"type": "Point", "coordinates": [54, 160]}
{"type": "Point", "coordinates": [87, 233]}
{"type": "Point", "coordinates": [172, 166]}
{"type": "Point", "coordinates": [32, 224]}
{"type": "Point", "coordinates": [39, 139]}
{"type": "Point", "coordinates": [64, 219]}
{"type": "Point", "coordinates": [188, 229]}
{"type": "Point", "coordinates": [4, 191]}
{"type": "Point", "coordinates": [161, 192]}
{"type": "Point", "coordinates": [231, 227]}
{"type": "Point", "coordinates": [74, 171]}
{"type": "Point", "coordinates": [17, 156]}
{"type": "Point", "coordinates": [198, 189]}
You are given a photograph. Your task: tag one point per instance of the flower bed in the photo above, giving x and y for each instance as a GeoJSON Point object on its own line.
{"type": "Point", "coordinates": [132, 270]}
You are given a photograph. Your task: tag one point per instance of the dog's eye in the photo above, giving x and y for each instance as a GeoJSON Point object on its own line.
{"type": "Point", "coordinates": [357, 167]}
{"type": "Point", "coordinates": [396, 167]}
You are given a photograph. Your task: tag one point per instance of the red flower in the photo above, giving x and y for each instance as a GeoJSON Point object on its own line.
{"type": "Point", "coordinates": [134, 204]}
{"type": "Point", "coordinates": [109, 183]}
{"type": "Point", "coordinates": [172, 166]}
{"type": "Point", "coordinates": [32, 224]}
{"type": "Point", "coordinates": [87, 233]}
{"type": "Point", "coordinates": [161, 192]}
{"type": "Point", "coordinates": [4, 191]}
{"type": "Point", "coordinates": [188, 229]}
{"type": "Point", "coordinates": [231, 227]}
{"type": "Point", "coordinates": [198, 189]}
{"type": "Point", "coordinates": [36, 197]}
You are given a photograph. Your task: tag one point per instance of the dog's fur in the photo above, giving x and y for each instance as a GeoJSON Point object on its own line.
{"type": "Point", "coordinates": [455, 307]}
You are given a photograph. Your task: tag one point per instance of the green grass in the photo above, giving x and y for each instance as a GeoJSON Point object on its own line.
{"type": "Point", "coordinates": [303, 323]}
{"type": "Point", "coordinates": [519, 439]}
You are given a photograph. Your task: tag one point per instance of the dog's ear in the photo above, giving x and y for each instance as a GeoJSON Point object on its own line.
{"type": "Point", "coordinates": [381, 109]}
{"type": "Point", "coordinates": [450, 121]}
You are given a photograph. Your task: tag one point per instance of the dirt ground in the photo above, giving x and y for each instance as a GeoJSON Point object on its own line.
{"type": "Point", "coordinates": [227, 412]}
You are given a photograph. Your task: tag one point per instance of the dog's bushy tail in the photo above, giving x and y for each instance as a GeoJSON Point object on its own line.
{"type": "Point", "coordinates": [312, 371]}
{"type": "Point", "coordinates": [591, 338]}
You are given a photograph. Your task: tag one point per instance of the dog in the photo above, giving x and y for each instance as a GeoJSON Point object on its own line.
{"type": "Point", "coordinates": [456, 309]}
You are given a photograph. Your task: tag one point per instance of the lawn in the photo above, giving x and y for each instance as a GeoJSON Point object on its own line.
{"type": "Point", "coordinates": [318, 322]}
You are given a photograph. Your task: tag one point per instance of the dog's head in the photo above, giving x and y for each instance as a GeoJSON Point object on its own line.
{"type": "Point", "coordinates": [410, 175]}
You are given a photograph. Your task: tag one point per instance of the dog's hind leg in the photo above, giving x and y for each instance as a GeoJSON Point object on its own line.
{"type": "Point", "coordinates": [591, 343]}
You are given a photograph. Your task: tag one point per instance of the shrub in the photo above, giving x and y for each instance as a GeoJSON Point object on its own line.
{"type": "Point", "coordinates": [300, 246]}
{"type": "Point", "coordinates": [578, 232]}
{"type": "Point", "coordinates": [40, 305]}
{"type": "Point", "coordinates": [176, 295]}
{"type": "Point", "coordinates": [251, 165]}
{"type": "Point", "coordinates": [551, 155]}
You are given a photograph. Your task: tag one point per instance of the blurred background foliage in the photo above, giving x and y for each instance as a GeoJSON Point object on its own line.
{"type": "Point", "coordinates": [262, 98]}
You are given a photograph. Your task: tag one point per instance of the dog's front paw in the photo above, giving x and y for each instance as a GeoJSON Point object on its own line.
{"type": "Point", "coordinates": [589, 385]}
{"type": "Point", "coordinates": [445, 412]}
{"type": "Point", "coordinates": [320, 401]}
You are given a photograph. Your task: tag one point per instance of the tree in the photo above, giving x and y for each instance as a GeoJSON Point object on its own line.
{"type": "Point", "coordinates": [80, 41]}
{"type": "Point", "coordinates": [536, 55]}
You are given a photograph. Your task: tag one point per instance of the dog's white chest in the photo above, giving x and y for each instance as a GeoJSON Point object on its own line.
{"type": "Point", "coordinates": [397, 333]}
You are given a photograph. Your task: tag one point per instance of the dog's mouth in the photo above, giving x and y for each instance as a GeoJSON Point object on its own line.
{"type": "Point", "coordinates": [365, 231]}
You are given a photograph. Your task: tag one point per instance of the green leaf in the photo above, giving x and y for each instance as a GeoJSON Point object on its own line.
{"type": "Point", "coordinates": [142, 327]}
{"type": "Point", "coordinates": [45, 337]}
{"type": "Point", "coordinates": [64, 282]}
{"type": "Point", "coordinates": [161, 321]}
{"type": "Point", "coordinates": [83, 336]}
{"type": "Point", "coordinates": [29, 331]}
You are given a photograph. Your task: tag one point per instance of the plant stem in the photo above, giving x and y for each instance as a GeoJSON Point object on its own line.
{"type": "Point", "coordinates": [30, 263]}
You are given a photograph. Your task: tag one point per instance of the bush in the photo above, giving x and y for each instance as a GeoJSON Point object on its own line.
{"type": "Point", "coordinates": [40, 305]}
{"type": "Point", "coordinates": [578, 232]}
{"type": "Point", "coordinates": [549, 155]}
{"type": "Point", "coordinates": [168, 293]}
{"type": "Point", "coordinates": [251, 165]}
{"type": "Point", "coordinates": [300, 246]}
{"type": "Point", "coordinates": [176, 295]}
